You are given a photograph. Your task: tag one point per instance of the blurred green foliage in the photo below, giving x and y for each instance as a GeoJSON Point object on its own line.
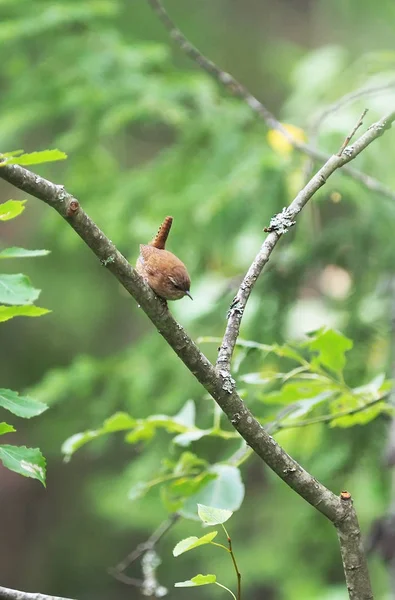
{"type": "Point", "coordinates": [147, 134]}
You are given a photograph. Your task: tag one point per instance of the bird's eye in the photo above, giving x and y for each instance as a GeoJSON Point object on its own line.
{"type": "Point", "coordinates": [174, 282]}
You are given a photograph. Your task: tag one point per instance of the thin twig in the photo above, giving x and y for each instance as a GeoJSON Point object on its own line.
{"type": "Point", "coordinates": [351, 135]}
{"type": "Point", "coordinates": [240, 91]}
{"type": "Point", "coordinates": [347, 99]}
{"type": "Point", "coordinates": [149, 544]}
{"type": "Point", "coordinates": [279, 227]}
{"type": "Point", "coordinates": [238, 574]}
{"type": "Point", "coordinates": [326, 418]}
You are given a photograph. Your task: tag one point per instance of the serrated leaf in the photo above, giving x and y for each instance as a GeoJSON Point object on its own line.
{"type": "Point", "coordinates": [192, 542]}
{"type": "Point", "coordinates": [35, 158]}
{"type": "Point", "coordinates": [225, 491]}
{"type": "Point", "coordinates": [11, 209]}
{"type": "Point", "coordinates": [28, 462]}
{"type": "Point", "coordinates": [5, 428]}
{"type": "Point", "coordinates": [21, 406]}
{"type": "Point", "coordinates": [28, 310]}
{"type": "Point", "coordinates": [17, 289]}
{"type": "Point", "coordinates": [213, 516]}
{"type": "Point", "coordinates": [22, 253]}
{"type": "Point", "coordinates": [197, 580]}
{"type": "Point", "coordinates": [331, 346]}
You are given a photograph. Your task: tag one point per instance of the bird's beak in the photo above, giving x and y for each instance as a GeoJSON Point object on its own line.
{"type": "Point", "coordinates": [189, 295]}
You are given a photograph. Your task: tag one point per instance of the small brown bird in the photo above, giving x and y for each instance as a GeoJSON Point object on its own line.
{"type": "Point", "coordinates": [162, 270]}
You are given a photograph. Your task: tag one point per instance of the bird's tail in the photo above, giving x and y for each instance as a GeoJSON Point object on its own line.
{"type": "Point", "coordinates": [161, 237]}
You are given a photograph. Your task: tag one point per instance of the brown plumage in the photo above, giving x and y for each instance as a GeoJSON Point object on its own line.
{"type": "Point", "coordinates": [161, 237]}
{"type": "Point", "coordinates": [164, 272]}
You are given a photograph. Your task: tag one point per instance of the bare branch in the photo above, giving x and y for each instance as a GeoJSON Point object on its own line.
{"type": "Point", "coordinates": [278, 227]}
{"type": "Point", "coordinates": [149, 544]}
{"type": "Point", "coordinates": [347, 99]}
{"type": "Point", "coordinates": [348, 139]}
{"type": "Point", "coordinates": [238, 90]}
{"type": "Point", "coordinates": [9, 594]}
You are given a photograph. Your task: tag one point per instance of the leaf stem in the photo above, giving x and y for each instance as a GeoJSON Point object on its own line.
{"type": "Point", "coordinates": [225, 588]}
{"type": "Point", "coordinates": [238, 574]}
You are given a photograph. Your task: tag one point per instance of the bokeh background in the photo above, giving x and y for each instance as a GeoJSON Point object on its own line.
{"type": "Point", "coordinates": [148, 134]}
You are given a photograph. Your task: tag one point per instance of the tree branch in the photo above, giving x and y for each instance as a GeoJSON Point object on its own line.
{"type": "Point", "coordinates": [279, 226]}
{"type": "Point", "coordinates": [347, 99]}
{"type": "Point", "coordinates": [238, 90]}
{"type": "Point", "coordinates": [218, 383]}
{"type": "Point", "coordinates": [9, 594]}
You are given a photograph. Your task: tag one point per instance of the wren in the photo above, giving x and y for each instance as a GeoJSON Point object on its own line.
{"type": "Point", "coordinates": [163, 271]}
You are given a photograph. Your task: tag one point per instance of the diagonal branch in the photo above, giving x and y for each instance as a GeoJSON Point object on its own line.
{"type": "Point", "coordinates": [218, 382]}
{"type": "Point", "coordinates": [279, 226]}
{"type": "Point", "coordinates": [9, 594]}
{"type": "Point", "coordinates": [237, 89]}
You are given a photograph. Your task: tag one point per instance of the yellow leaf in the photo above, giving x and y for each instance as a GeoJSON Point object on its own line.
{"type": "Point", "coordinates": [279, 142]}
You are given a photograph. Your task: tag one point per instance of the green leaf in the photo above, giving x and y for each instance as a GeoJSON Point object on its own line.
{"type": "Point", "coordinates": [76, 441]}
{"type": "Point", "coordinates": [213, 516]}
{"type": "Point", "coordinates": [186, 486]}
{"type": "Point", "coordinates": [35, 158]}
{"type": "Point", "coordinates": [25, 461]}
{"type": "Point", "coordinates": [197, 580]}
{"type": "Point", "coordinates": [286, 351]}
{"type": "Point", "coordinates": [192, 542]}
{"type": "Point", "coordinates": [364, 416]}
{"type": "Point", "coordinates": [11, 209]}
{"type": "Point", "coordinates": [301, 390]}
{"type": "Point", "coordinates": [331, 346]}
{"type": "Point", "coordinates": [5, 428]}
{"type": "Point", "coordinates": [186, 438]}
{"type": "Point", "coordinates": [187, 462]}
{"type": "Point", "coordinates": [138, 490]}
{"type": "Point", "coordinates": [28, 310]}
{"type": "Point", "coordinates": [13, 153]}
{"type": "Point", "coordinates": [120, 421]}
{"type": "Point", "coordinates": [225, 491]}
{"type": "Point", "coordinates": [186, 416]}
{"type": "Point", "coordinates": [21, 406]}
{"type": "Point", "coordinates": [17, 289]}
{"type": "Point", "coordinates": [21, 253]}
